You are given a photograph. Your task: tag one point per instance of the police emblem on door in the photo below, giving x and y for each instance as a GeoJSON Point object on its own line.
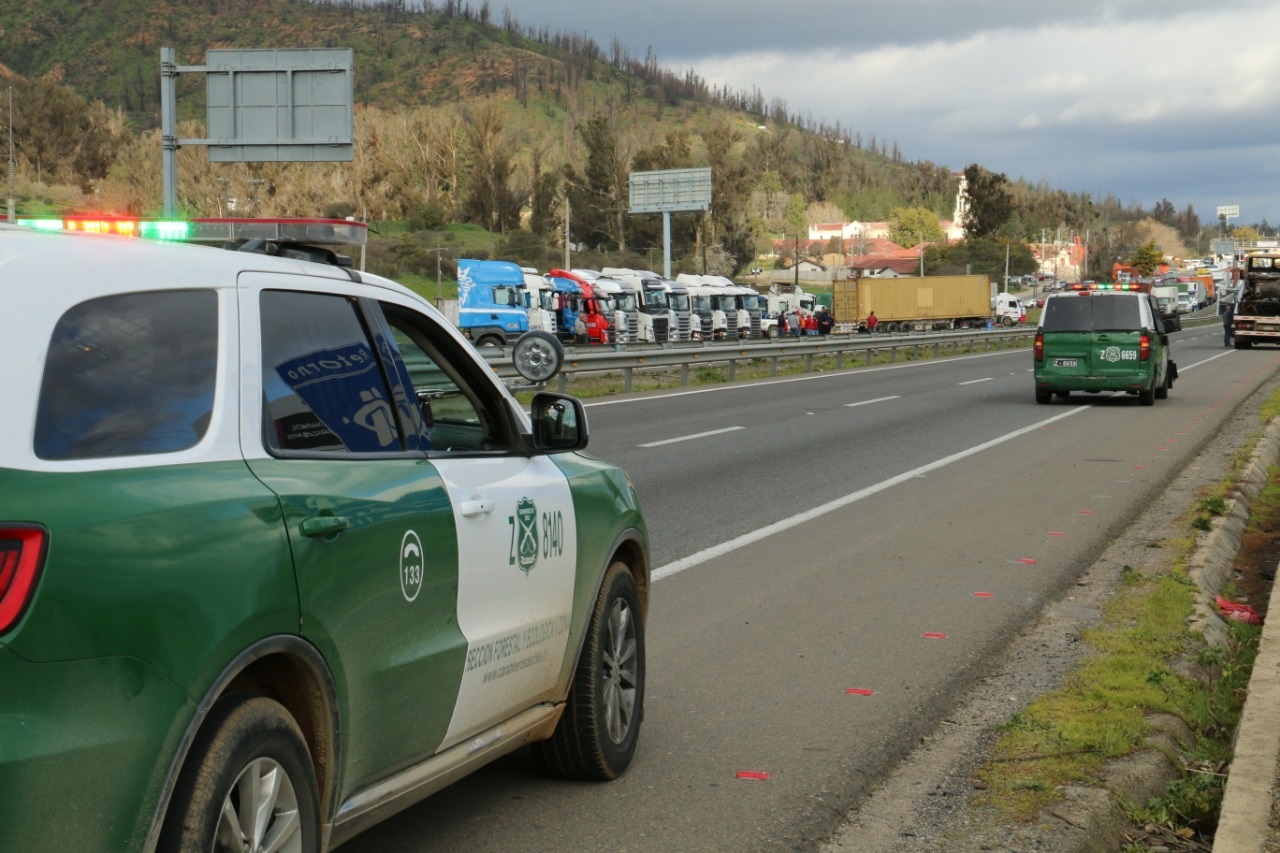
{"type": "Point", "coordinates": [525, 532]}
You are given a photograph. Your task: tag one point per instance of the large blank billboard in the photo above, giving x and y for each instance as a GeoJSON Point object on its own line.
{"type": "Point", "coordinates": [670, 190]}
{"type": "Point", "coordinates": [280, 105]}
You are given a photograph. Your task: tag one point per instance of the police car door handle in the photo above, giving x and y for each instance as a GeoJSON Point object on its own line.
{"type": "Point", "coordinates": [476, 508]}
{"type": "Point", "coordinates": [324, 525]}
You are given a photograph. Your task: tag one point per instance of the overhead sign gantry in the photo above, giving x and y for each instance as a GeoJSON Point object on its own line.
{"type": "Point", "coordinates": [264, 105]}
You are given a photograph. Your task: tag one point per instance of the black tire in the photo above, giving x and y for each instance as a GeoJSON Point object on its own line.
{"type": "Point", "coordinates": [1162, 393]}
{"type": "Point", "coordinates": [490, 341]}
{"type": "Point", "coordinates": [1006, 320]}
{"type": "Point", "coordinates": [246, 741]}
{"type": "Point", "coordinates": [773, 331]}
{"type": "Point", "coordinates": [596, 738]}
{"type": "Point", "coordinates": [1239, 344]}
{"type": "Point", "coordinates": [1147, 397]}
{"type": "Point", "coordinates": [1043, 397]}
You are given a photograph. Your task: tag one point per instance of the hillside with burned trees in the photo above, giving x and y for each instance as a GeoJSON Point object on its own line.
{"type": "Point", "coordinates": [461, 118]}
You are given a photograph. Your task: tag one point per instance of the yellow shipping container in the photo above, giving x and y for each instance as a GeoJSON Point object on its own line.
{"type": "Point", "coordinates": [936, 301]}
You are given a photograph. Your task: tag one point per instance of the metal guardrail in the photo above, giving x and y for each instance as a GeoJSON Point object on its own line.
{"type": "Point", "coordinates": [846, 349]}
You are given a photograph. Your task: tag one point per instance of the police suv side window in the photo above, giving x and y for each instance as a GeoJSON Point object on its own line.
{"type": "Point", "coordinates": [129, 374]}
{"type": "Point", "coordinates": [460, 409]}
{"type": "Point", "coordinates": [322, 383]}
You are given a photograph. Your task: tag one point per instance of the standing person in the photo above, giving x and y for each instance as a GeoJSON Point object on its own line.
{"type": "Point", "coordinates": [579, 330]}
{"type": "Point", "coordinates": [1228, 322]}
{"type": "Point", "coordinates": [825, 320]}
{"type": "Point", "coordinates": [793, 324]}
{"type": "Point", "coordinates": [810, 324]}
{"type": "Point", "coordinates": [871, 322]}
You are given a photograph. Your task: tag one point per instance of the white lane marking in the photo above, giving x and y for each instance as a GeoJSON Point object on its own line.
{"type": "Point", "coordinates": [876, 400]}
{"type": "Point", "coordinates": [974, 381]}
{"type": "Point", "coordinates": [691, 437]}
{"type": "Point", "coordinates": [846, 372]}
{"type": "Point", "coordinates": [768, 530]}
{"type": "Point", "coordinates": [1205, 361]}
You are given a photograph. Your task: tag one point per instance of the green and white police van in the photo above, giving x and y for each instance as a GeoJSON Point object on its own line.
{"type": "Point", "coordinates": [1102, 338]}
{"type": "Point", "coordinates": [280, 555]}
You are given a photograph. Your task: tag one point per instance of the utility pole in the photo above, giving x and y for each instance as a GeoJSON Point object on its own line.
{"type": "Point", "coordinates": [13, 217]}
{"type": "Point", "coordinates": [439, 285]}
{"type": "Point", "coordinates": [566, 233]}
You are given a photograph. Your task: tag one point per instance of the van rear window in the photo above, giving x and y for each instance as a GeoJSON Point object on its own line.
{"type": "Point", "coordinates": [1098, 312]}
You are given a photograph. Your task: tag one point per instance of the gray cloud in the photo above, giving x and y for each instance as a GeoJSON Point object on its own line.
{"type": "Point", "coordinates": [1140, 99]}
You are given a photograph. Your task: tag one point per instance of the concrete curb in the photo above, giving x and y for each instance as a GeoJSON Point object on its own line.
{"type": "Point", "coordinates": [1090, 818]}
{"type": "Point", "coordinates": [1244, 820]}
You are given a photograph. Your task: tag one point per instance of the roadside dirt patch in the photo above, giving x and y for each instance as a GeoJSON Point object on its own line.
{"type": "Point", "coordinates": [1255, 564]}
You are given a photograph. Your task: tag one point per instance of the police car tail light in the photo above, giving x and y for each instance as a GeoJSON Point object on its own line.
{"type": "Point", "coordinates": [22, 550]}
{"type": "Point", "coordinates": [1039, 347]}
{"type": "Point", "coordinates": [1144, 348]}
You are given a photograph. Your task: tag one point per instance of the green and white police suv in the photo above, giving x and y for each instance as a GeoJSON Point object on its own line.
{"type": "Point", "coordinates": [280, 555]}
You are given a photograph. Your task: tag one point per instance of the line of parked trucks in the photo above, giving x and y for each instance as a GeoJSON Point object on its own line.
{"type": "Point", "coordinates": [500, 300]}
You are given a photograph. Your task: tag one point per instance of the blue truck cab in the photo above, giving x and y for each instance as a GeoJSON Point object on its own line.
{"type": "Point", "coordinates": [491, 303]}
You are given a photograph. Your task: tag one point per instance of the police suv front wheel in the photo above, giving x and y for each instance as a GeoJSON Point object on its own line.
{"type": "Point", "coordinates": [596, 737]}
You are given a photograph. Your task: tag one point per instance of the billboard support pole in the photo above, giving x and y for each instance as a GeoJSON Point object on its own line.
{"type": "Point", "coordinates": [666, 244]}
{"type": "Point", "coordinates": [169, 129]}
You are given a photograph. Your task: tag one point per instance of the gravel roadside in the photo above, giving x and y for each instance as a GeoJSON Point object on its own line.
{"type": "Point", "coordinates": [924, 806]}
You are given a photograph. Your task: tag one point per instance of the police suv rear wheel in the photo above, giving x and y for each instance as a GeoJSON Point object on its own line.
{"type": "Point", "coordinates": [249, 784]}
{"type": "Point", "coordinates": [596, 737]}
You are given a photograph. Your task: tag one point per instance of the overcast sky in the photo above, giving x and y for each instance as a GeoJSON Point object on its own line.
{"type": "Point", "coordinates": [1140, 99]}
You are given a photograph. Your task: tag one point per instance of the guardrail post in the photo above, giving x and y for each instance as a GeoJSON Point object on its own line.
{"type": "Point", "coordinates": [893, 355]}
{"type": "Point", "coordinates": [773, 366]}
{"type": "Point", "coordinates": [626, 380]}
{"type": "Point", "coordinates": [808, 363]}
{"type": "Point", "coordinates": [684, 375]}
{"type": "Point", "coordinates": [937, 350]}
{"type": "Point", "coordinates": [562, 383]}
{"type": "Point", "coordinates": [733, 369]}
{"type": "Point", "coordinates": [870, 356]}
{"type": "Point", "coordinates": [839, 359]}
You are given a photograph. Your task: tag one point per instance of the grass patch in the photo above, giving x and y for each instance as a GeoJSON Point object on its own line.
{"type": "Point", "coordinates": [1067, 736]}
{"type": "Point", "coordinates": [1143, 660]}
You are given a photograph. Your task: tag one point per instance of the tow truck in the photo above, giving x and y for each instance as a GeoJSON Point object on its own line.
{"type": "Point", "coordinates": [1257, 315]}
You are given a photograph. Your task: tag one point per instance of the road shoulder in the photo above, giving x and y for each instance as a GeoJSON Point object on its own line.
{"type": "Point", "coordinates": [925, 805]}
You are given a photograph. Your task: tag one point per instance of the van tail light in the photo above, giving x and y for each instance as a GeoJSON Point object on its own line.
{"type": "Point", "coordinates": [1039, 349]}
{"type": "Point", "coordinates": [22, 550]}
{"type": "Point", "coordinates": [1144, 348]}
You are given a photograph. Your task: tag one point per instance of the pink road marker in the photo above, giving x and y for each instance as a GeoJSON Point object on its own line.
{"type": "Point", "coordinates": [1084, 512]}
{"type": "Point", "coordinates": [933, 636]}
{"type": "Point", "coordinates": [1029, 561]}
{"type": "Point", "coordinates": [758, 775]}
{"type": "Point", "coordinates": [982, 595]}
{"type": "Point", "coordinates": [1056, 533]}
{"type": "Point", "coordinates": [859, 691]}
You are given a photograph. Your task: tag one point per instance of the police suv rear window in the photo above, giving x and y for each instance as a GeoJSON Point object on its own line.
{"type": "Point", "coordinates": [129, 374]}
{"type": "Point", "coordinates": [1092, 313]}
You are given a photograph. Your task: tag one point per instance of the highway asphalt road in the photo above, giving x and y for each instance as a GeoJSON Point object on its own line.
{"type": "Point", "coordinates": [883, 531]}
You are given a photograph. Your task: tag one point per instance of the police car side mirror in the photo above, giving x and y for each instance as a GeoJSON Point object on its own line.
{"type": "Point", "coordinates": [559, 422]}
